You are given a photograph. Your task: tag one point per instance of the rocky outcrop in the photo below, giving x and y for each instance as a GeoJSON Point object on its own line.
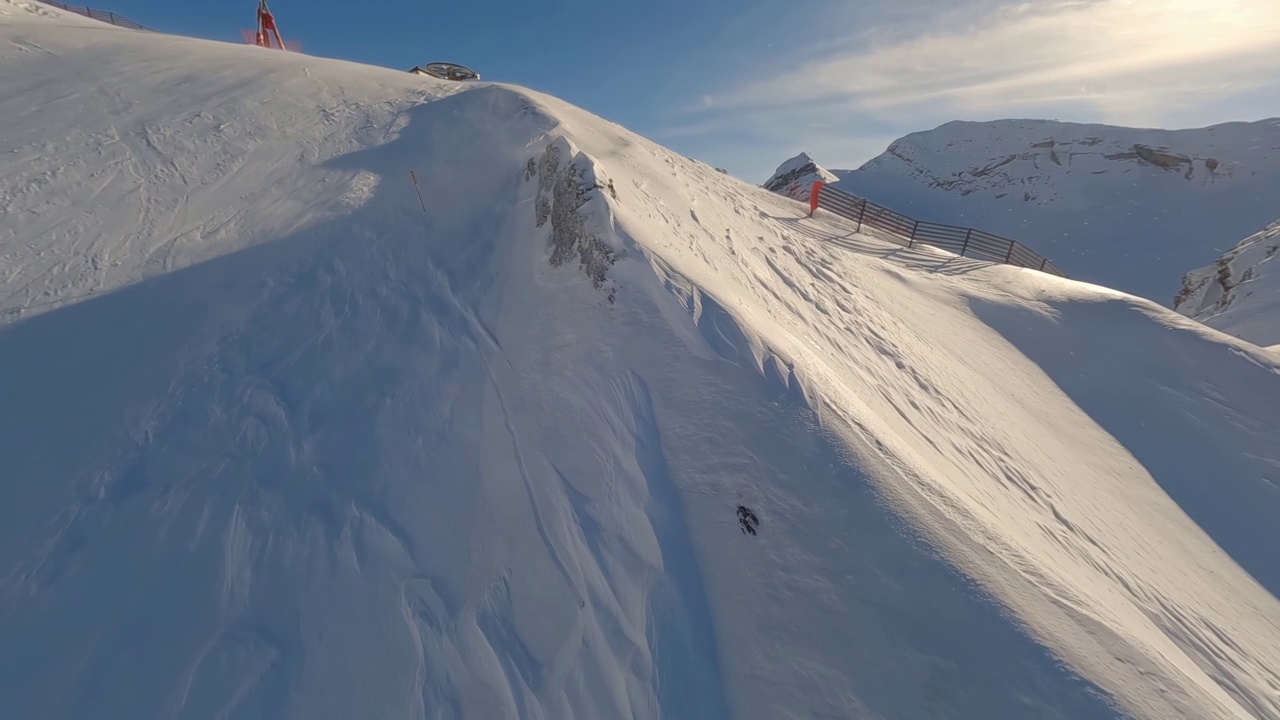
{"type": "Point", "coordinates": [1240, 293]}
{"type": "Point", "coordinates": [568, 196]}
{"type": "Point", "coordinates": [1031, 170]}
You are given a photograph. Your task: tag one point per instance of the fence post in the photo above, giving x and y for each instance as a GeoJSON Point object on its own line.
{"type": "Point", "coordinates": [861, 211]}
{"type": "Point", "coordinates": [911, 240]}
{"type": "Point", "coordinates": [965, 248]}
{"type": "Point", "coordinates": [1009, 255]}
{"type": "Point", "coordinates": [1043, 262]}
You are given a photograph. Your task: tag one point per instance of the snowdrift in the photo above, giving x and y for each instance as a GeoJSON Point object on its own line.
{"type": "Point", "coordinates": [601, 433]}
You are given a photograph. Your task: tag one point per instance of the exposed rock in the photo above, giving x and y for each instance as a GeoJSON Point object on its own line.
{"type": "Point", "coordinates": [795, 177]}
{"type": "Point", "coordinates": [564, 190]}
{"type": "Point", "coordinates": [1240, 293]}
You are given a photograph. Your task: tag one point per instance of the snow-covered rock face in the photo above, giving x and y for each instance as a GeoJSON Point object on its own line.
{"type": "Point", "coordinates": [1128, 208]}
{"type": "Point", "coordinates": [1033, 160]}
{"type": "Point", "coordinates": [795, 177]}
{"type": "Point", "coordinates": [330, 391]}
{"type": "Point", "coordinates": [1240, 293]}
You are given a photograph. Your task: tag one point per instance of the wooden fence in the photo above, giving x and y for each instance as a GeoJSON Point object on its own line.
{"type": "Point", "coordinates": [966, 242]}
{"type": "Point", "coordinates": [102, 15]}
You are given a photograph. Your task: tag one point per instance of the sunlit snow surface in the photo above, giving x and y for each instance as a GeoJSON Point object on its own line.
{"type": "Point", "coordinates": [277, 443]}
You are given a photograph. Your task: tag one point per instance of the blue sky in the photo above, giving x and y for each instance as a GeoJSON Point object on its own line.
{"type": "Point", "coordinates": [744, 85]}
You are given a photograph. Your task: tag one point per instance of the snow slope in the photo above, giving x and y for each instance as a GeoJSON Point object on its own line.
{"type": "Point", "coordinates": [1240, 293]}
{"type": "Point", "coordinates": [1126, 208]}
{"type": "Point", "coordinates": [282, 440]}
{"type": "Point", "coordinates": [795, 177]}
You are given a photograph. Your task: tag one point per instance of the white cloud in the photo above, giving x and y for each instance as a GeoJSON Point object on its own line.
{"type": "Point", "coordinates": [1167, 63]}
{"type": "Point", "coordinates": [1109, 51]}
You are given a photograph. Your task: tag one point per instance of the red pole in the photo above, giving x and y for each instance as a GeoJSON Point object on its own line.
{"type": "Point", "coordinates": [267, 26]}
{"type": "Point", "coordinates": [813, 196]}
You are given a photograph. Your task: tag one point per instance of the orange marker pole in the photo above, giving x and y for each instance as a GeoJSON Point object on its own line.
{"type": "Point", "coordinates": [813, 196]}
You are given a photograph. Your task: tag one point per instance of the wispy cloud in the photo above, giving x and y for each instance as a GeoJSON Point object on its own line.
{"type": "Point", "coordinates": [1137, 62]}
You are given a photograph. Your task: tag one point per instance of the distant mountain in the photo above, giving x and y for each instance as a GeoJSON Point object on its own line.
{"type": "Point", "coordinates": [1240, 293]}
{"type": "Point", "coordinates": [1127, 208]}
{"type": "Point", "coordinates": [795, 177]}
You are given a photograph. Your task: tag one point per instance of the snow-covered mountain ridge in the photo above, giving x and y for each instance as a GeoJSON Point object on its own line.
{"type": "Point", "coordinates": [590, 430]}
{"type": "Point", "coordinates": [1032, 170]}
{"type": "Point", "coordinates": [795, 177]}
{"type": "Point", "coordinates": [1127, 208]}
{"type": "Point", "coordinates": [1240, 293]}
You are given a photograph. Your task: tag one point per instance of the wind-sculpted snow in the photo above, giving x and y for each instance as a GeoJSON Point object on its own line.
{"type": "Point", "coordinates": [600, 433]}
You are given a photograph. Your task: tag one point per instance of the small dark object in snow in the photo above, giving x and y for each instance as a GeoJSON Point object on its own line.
{"type": "Point", "coordinates": [747, 520]}
{"type": "Point", "coordinates": [612, 190]}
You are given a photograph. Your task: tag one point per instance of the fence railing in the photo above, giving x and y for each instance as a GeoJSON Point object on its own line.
{"type": "Point", "coordinates": [103, 15]}
{"type": "Point", "coordinates": [966, 242]}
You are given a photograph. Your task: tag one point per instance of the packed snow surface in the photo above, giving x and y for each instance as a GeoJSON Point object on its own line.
{"type": "Point", "coordinates": [1127, 208]}
{"type": "Point", "coordinates": [590, 430]}
{"type": "Point", "coordinates": [1240, 293]}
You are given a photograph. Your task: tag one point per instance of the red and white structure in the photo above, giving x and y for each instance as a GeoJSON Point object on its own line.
{"type": "Point", "coordinates": [267, 34]}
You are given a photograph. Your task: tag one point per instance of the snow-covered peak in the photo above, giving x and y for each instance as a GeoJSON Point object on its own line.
{"type": "Point", "coordinates": [795, 177]}
{"type": "Point", "coordinates": [1240, 293]}
{"type": "Point", "coordinates": [1123, 207]}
